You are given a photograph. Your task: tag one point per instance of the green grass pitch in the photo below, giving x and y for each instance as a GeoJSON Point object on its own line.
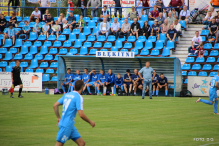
{"type": "Point", "coordinates": [120, 121]}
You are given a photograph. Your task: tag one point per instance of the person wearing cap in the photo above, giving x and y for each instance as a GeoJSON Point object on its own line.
{"type": "Point", "coordinates": [154, 13]}
{"type": "Point", "coordinates": [56, 29]}
{"type": "Point", "coordinates": [127, 82]}
{"type": "Point", "coordinates": [135, 27]}
{"type": "Point", "coordinates": [36, 14]}
{"type": "Point", "coordinates": [46, 29]}
{"type": "Point", "coordinates": [104, 13]}
{"type": "Point", "coordinates": [133, 14]}
{"type": "Point", "coordinates": [184, 14]}
{"type": "Point", "coordinates": [171, 35]}
{"type": "Point", "coordinates": [177, 26]}
{"type": "Point", "coordinates": [9, 34]}
{"type": "Point", "coordinates": [170, 18]}
{"type": "Point", "coordinates": [155, 29]}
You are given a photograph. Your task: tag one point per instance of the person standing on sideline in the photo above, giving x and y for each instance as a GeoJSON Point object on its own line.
{"type": "Point", "coordinates": [82, 4]}
{"type": "Point", "coordinates": [94, 4]}
{"type": "Point", "coordinates": [118, 3]}
{"type": "Point", "coordinates": [147, 80]}
{"type": "Point", "coordinates": [15, 4]}
{"type": "Point", "coordinates": [44, 4]}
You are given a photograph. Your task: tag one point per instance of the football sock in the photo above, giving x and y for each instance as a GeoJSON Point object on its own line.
{"type": "Point", "coordinates": [88, 88]}
{"type": "Point", "coordinates": [95, 89]}
{"type": "Point", "coordinates": [63, 88]}
{"type": "Point", "coordinates": [135, 93]}
{"type": "Point", "coordinates": [104, 90]}
{"type": "Point", "coordinates": [206, 101]}
{"type": "Point", "coordinates": [215, 106]}
{"type": "Point", "coordinates": [98, 91]}
{"type": "Point", "coordinates": [112, 88]}
{"type": "Point", "coordinates": [20, 90]}
{"type": "Point", "coordinates": [157, 92]}
{"type": "Point", "coordinates": [153, 92]}
{"type": "Point", "coordinates": [72, 88]}
{"type": "Point", "coordinates": [122, 88]}
{"type": "Point", "coordinates": [166, 92]}
{"type": "Point", "coordinates": [69, 88]}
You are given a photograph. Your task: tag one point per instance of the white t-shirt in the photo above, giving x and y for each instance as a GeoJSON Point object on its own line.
{"type": "Point", "coordinates": [44, 3]}
{"type": "Point", "coordinates": [45, 27]}
{"type": "Point", "coordinates": [209, 18]}
{"type": "Point", "coordinates": [36, 13]}
{"type": "Point", "coordinates": [197, 40]}
{"type": "Point", "coordinates": [104, 27]}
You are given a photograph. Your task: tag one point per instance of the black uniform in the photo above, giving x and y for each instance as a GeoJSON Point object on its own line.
{"type": "Point", "coordinates": [16, 75]}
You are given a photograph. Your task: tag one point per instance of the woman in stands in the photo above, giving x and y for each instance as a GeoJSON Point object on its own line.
{"type": "Point", "coordinates": [201, 51]}
{"type": "Point", "coordinates": [61, 20]}
{"type": "Point", "coordinates": [146, 29]}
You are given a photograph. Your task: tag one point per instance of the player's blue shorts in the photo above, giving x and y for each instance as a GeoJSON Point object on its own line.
{"type": "Point", "coordinates": [212, 95]}
{"type": "Point", "coordinates": [128, 83]}
{"type": "Point", "coordinates": [65, 134]}
{"type": "Point", "coordinates": [118, 85]}
{"type": "Point", "coordinates": [92, 83]}
{"type": "Point", "coordinates": [66, 85]}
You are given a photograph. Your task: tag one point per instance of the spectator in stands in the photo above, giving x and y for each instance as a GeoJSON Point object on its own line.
{"type": "Point", "coordinates": [162, 83]}
{"type": "Point", "coordinates": [67, 80]}
{"type": "Point", "coordinates": [2, 23]}
{"type": "Point", "coordinates": [81, 23]}
{"type": "Point", "coordinates": [26, 29]}
{"type": "Point", "coordinates": [217, 17]}
{"type": "Point", "coordinates": [13, 20]}
{"type": "Point", "coordinates": [184, 14]}
{"type": "Point", "coordinates": [44, 4]}
{"type": "Point", "coordinates": [135, 81]}
{"type": "Point", "coordinates": [177, 26]}
{"type": "Point", "coordinates": [37, 27]}
{"type": "Point", "coordinates": [70, 7]}
{"type": "Point", "coordinates": [214, 13]}
{"type": "Point", "coordinates": [213, 29]}
{"type": "Point", "coordinates": [207, 19]}
{"type": "Point", "coordinates": [201, 51]}
{"type": "Point", "coordinates": [71, 21]}
{"type": "Point", "coordinates": [125, 30]}
{"type": "Point", "coordinates": [135, 27]}
{"type": "Point", "coordinates": [118, 3]}
{"type": "Point", "coordinates": [104, 28]}
{"type": "Point", "coordinates": [118, 82]}
{"type": "Point", "coordinates": [154, 13]}
{"type": "Point", "coordinates": [174, 13]}
{"type": "Point", "coordinates": [154, 82]}
{"type": "Point", "coordinates": [65, 25]}
{"type": "Point", "coordinates": [160, 19]}
{"type": "Point", "coordinates": [46, 29]}
{"type": "Point", "coordinates": [115, 28]}
{"type": "Point", "coordinates": [214, 3]}
{"type": "Point", "coordinates": [165, 26]}
{"type": "Point", "coordinates": [45, 15]}
{"type": "Point", "coordinates": [50, 20]}
{"type": "Point", "coordinates": [83, 5]}
{"type": "Point", "coordinates": [101, 81]}
{"type": "Point", "coordinates": [15, 4]}
{"type": "Point", "coordinates": [155, 29]}
{"type": "Point", "coordinates": [196, 42]}
{"type": "Point", "coordinates": [171, 35]}
{"type": "Point", "coordinates": [93, 82]}
{"type": "Point", "coordinates": [36, 14]}
{"type": "Point", "coordinates": [96, 4]}
{"type": "Point", "coordinates": [104, 13]}
{"type": "Point", "coordinates": [165, 13]}
{"type": "Point", "coordinates": [61, 20]}
{"type": "Point", "coordinates": [175, 3]}
{"type": "Point", "coordinates": [159, 4]}
{"type": "Point", "coordinates": [170, 18]}
{"type": "Point", "coordinates": [110, 77]}
{"type": "Point", "coordinates": [133, 14]}
{"type": "Point", "coordinates": [127, 83]}
{"type": "Point", "coordinates": [146, 29]}
{"type": "Point", "coordinates": [56, 29]}
{"type": "Point", "coordinates": [9, 34]}
{"type": "Point", "coordinates": [146, 4]}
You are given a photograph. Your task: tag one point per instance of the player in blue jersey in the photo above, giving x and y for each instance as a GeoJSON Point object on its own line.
{"type": "Point", "coordinates": [94, 78]}
{"type": "Point", "coordinates": [110, 77]}
{"type": "Point", "coordinates": [76, 77]}
{"type": "Point", "coordinates": [162, 83]}
{"type": "Point", "coordinates": [86, 79]}
{"type": "Point", "coordinates": [67, 80]}
{"type": "Point", "coordinates": [72, 103]}
{"type": "Point", "coordinates": [118, 82]}
{"type": "Point", "coordinates": [213, 99]}
{"type": "Point", "coordinates": [154, 82]}
{"type": "Point", "coordinates": [135, 81]}
{"type": "Point", "coordinates": [102, 82]}
{"type": "Point", "coordinates": [127, 82]}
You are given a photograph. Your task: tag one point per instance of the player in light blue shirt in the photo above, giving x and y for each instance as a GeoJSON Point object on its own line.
{"type": "Point", "coordinates": [76, 77]}
{"type": "Point", "coordinates": [118, 82]}
{"type": "Point", "coordinates": [94, 78]}
{"type": "Point", "coordinates": [214, 86]}
{"type": "Point", "coordinates": [67, 80]}
{"type": "Point", "coordinates": [102, 82]}
{"type": "Point", "coordinates": [86, 79]}
{"type": "Point", "coordinates": [110, 77]}
{"type": "Point", "coordinates": [72, 103]}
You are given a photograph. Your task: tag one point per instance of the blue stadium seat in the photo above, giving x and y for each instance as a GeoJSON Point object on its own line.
{"type": "Point", "coordinates": [91, 24]}
{"type": "Point", "coordinates": [82, 37]}
{"type": "Point", "coordinates": [3, 50]}
{"type": "Point", "coordinates": [34, 63]}
{"type": "Point", "coordinates": [155, 52]}
{"type": "Point", "coordinates": [0, 56]}
{"type": "Point", "coordinates": [152, 38]}
{"type": "Point", "coordinates": [216, 67]}
{"type": "Point", "coordinates": [159, 45]}
{"type": "Point", "coordinates": [138, 44]}
{"type": "Point", "coordinates": [61, 38]}
{"type": "Point", "coordinates": [118, 44]}
{"type": "Point", "coordinates": [124, 50]}
{"type": "Point", "coordinates": [8, 43]}
{"type": "Point", "coordinates": [63, 51]}
{"type": "Point", "coordinates": [73, 51]}
{"type": "Point", "coordinates": [214, 53]}
{"type": "Point", "coordinates": [18, 43]}
{"type": "Point", "coordinates": [24, 50]}
{"type": "Point", "coordinates": [54, 79]}
{"type": "Point", "coordinates": [33, 36]}
{"type": "Point", "coordinates": [131, 39]}
{"type": "Point", "coordinates": [77, 17]}
{"type": "Point", "coordinates": [216, 46]}
{"type": "Point", "coordinates": [86, 19]}
{"type": "Point", "coordinates": [148, 45]}
{"type": "Point", "coordinates": [48, 57]}
{"type": "Point", "coordinates": [8, 69]}
{"type": "Point", "coordinates": [41, 38]}
{"type": "Point", "coordinates": [38, 57]}
{"type": "Point", "coordinates": [17, 30]}
{"type": "Point", "coordinates": [19, 19]}
{"type": "Point", "coordinates": [207, 67]}
{"type": "Point", "coordinates": [97, 45]}
{"type": "Point", "coordinates": [186, 81]}
{"type": "Point", "coordinates": [1, 36]}
{"type": "Point", "coordinates": [66, 31]}
{"type": "Point", "coordinates": [141, 23]}
{"type": "Point", "coordinates": [103, 50]}
{"type": "Point", "coordinates": [76, 31]}
{"type": "Point", "coordinates": [53, 51]}
{"type": "Point", "coordinates": [122, 39]}
{"type": "Point", "coordinates": [44, 65]}
{"type": "Point", "coordinates": [212, 74]}
{"type": "Point", "coordinates": [131, 21]}
{"type": "Point", "coordinates": [121, 22]}
{"type": "Point", "coordinates": [190, 60]}
{"type": "Point", "coordinates": [111, 38]}
{"type": "Point", "coordinates": [135, 51]}
{"type": "Point", "coordinates": [204, 32]}
{"type": "Point", "coordinates": [112, 20]}
{"type": "Point", "coordinates": [24, 64]}
{"type": "Point", "coordinates": [95, 29]}
{"type": "Point", "coordinates": [67, 44]}
{"type": "Point", "coordinates": [114, 48]}
{"type": "Point", "coordinates": [92, 51]}
{"type": "Point", "coordinates": [3, 64]}
{"type": "Point", "coordinates": [52, 38]}
{"type": "Point", "coordinates": [218, 60]}
{"type": "Point", "coordinates": [21, 24]}
{"type": "Point", "coordinates": [8, 56]}
{"type": "Point", "coordinates": [141, 38]}
{"type": "Point", "coordinates": [56, 18]}
{"type": "Point", "coordinates": [13, 50]}
{"type": "Point", "coordinates": [200, 60]}
{"type": "Point", "coordinates": [203, 38]}
{"type": "Point", "coordinates": [196, 67]}
{"type": "Point", "coordinates": [18, 57]}
{"type": "Point", "coordinates": [33, 50]}
{"type": "Point", "coordinates": [170, 44]}
{"type": "Point", "coordinates": [57, 44]}
{"type": "Point", "coordinates": [101, 38]}
{"type": "Point", "coordinates": [183, 24]}
{"type": "Point", "coordinates": [39, 70]}
{"type": "Point", "coordinates": [45, 78]}
{"type": "Point", "coordinates": [54, 65]}
{"type": "Point", "coordinates": [166, 52]}
{"type": "Point", "coordinates": [192, 73]}
{"type": "Point", "coordinates": [127, 46]}
{"type": "Point", "coordinates": [13, 63]}
{"type": "Point", "coordinates": [210, 60]}
{"type": "Point", "coordinates": [107, 45]}
{"type": "Point", "coordinates": [43, 50]}
{"type": "Point", "coordinates": [208, 46]}
{"type": "Point", "coordinates": [206, 53]}
{"type": "Point", "coordinates": [83, 51]}
{"type": "Point", "coordinates": [0, 69]}
{"type": "Point", "coordinates": [88, 44]}
{"type": "Point", "coordinates": [42, 23]}
{"type": "Point", "coordinates": [77, 44]}
{"type": "Point", "coordinates": [72, 37]}
{"type": "Point", "coordinates": [28, 57]}
{"type": "Point", "coordinates": [87, 30]}
{"type": "Point", "coordinates": [186, 67]}
{"type": "Point", "coordinates": [56, 58]}
{"type": "Point", "coordinates": [184, 73]}
{"type": "Point", "coordinates": [91, 38]}
{"type": "Point", "coordinates": [162, 37]}
{"type": "Point", "coordinates": [26, 19]}
{"type": "Point", "coordinates": [28, 44]}
{"type": "Point", "coordinates": [37, 43]}
{"type": "Point", "coordinates": [144, 17]}
{"type": "Point", "coordinates": [95, 19]}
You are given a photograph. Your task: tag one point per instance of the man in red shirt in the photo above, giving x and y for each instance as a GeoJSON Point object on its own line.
{"type": "Point", "coordinates": [145, 3]}
{"type": "Point", "coordinates": [154, 13]}
{"type": "Point", "coordinates": [176, 3]}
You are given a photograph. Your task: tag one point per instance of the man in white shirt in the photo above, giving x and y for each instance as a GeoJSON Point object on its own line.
{"type": "Point", "coordinates": [104, 28]}
{"type": "Point", "coordinates": [36, 14]}
{"type": "Point", "coordinates": [177, 26]}
{"type": "Point", "coordinates": [196, 42]}
{"type": "Point", "coordinates": [56, 29]}
{"type": "Point", "coordinates": [184, 14]}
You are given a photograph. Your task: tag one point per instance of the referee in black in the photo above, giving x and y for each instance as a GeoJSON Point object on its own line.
{"type": "Point", "coordinates": [16, 79]}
